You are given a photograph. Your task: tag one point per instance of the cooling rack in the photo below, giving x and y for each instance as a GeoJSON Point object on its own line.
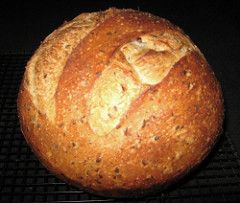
{"type": "Point", "coordinates": [24, 179]}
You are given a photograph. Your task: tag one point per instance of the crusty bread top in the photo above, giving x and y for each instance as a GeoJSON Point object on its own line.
{"type": "Point", "coordinates": [71, 65]}
{"type": "Point", "coordinates": [130, 85]}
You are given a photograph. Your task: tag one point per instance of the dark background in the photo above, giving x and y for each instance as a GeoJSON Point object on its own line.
{"type": "Point", "coordinates": [213, 26]}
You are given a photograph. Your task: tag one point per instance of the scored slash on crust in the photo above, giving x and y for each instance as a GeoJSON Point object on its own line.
{"type": "Point", "coordinates": [149, 58]}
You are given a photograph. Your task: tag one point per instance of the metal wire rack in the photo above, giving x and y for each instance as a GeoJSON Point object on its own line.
{"type": "Point", "coordinates": [24, 179]}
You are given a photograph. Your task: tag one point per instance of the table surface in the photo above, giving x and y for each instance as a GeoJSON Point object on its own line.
{"type": "Point", "coordinates": [214, 27]}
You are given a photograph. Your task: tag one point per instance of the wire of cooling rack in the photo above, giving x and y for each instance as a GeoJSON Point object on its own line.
{"type": "Point", "coordinates": [24, 179]}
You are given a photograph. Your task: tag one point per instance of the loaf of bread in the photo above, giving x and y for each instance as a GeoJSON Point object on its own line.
{"type": "Point", "coordinates": [120, 103]}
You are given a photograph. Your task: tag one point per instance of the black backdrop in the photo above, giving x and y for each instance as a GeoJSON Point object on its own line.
{"type": "Point", "coordinates": [213, 26]}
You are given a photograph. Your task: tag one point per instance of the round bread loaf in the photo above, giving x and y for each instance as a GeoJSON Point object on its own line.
{"type": "Point", "coordinates": [120, 103]}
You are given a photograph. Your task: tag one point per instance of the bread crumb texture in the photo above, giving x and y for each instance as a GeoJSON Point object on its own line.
{"type": "Point", "coordinates": [120, 103]}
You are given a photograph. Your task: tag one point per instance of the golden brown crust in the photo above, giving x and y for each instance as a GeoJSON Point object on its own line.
{"type": "Point", "coordinates": [132, 107]}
